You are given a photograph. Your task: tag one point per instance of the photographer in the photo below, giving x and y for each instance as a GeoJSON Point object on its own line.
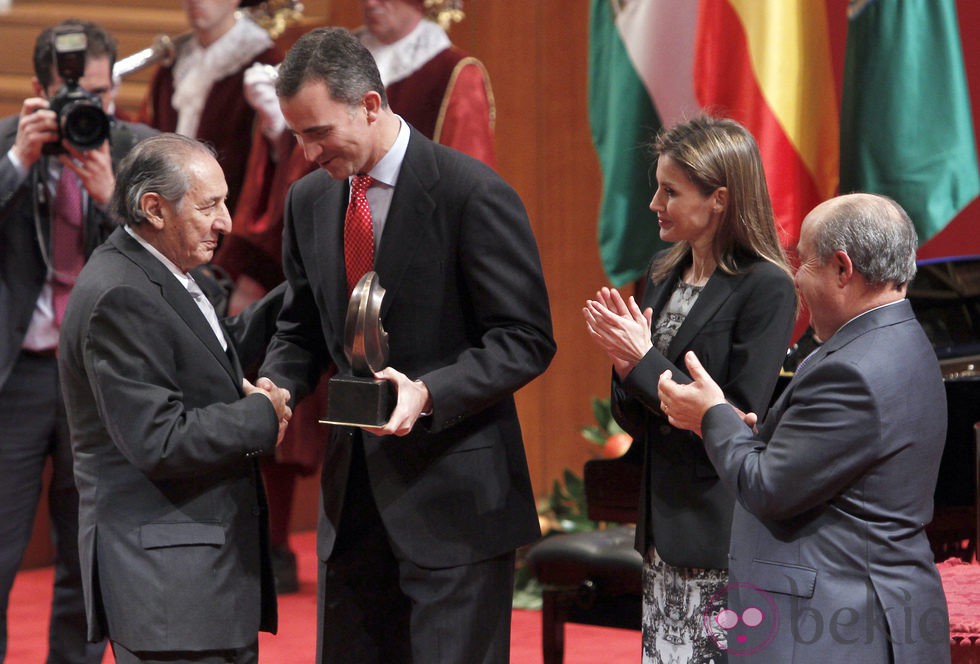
{"type": "Point", "coordinates": [52, 215]}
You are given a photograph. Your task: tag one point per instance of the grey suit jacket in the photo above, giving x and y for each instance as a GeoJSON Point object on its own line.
{"type": "Point", "coordinates": [22, 267]}
{"type": "Point", "coordinates": [739, 327]}
{"type": "Point", "coordinates": [467, 312]}
{"type": "Point", "coordinates": [833, 494]}
{"type": "Point", "coordinates": [172, 515]}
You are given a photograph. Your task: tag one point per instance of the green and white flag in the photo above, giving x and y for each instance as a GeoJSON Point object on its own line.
{"type": "Point", "coordinates": [640, 78]}
{"type": "Point", "coordinates": [906, 125]}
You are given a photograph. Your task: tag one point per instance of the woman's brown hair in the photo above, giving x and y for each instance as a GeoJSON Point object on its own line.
{"type": "Point", "coordinates": [719, 152]}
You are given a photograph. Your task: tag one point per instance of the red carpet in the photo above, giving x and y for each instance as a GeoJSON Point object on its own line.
{"type": "Point", "coordinates": [30, 603]}
{"type": "Point", "coordinates": [961, 582]}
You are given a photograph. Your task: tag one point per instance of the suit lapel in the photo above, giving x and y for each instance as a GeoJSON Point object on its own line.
{"type": "Point", "coordinates": [657, 296]}
{"type": "Point", "coordinates": [328, 248]}
{"type": "Point", "coordinates": [233, 360]}
{"type": "Point", "coordinates": [882, 317]}
{"type": "Point", "coordinates": [889, 315]}
{"type": "Point", "coordinates": [179, 299]}
{"type": "Point", "coordinates": [718, 289]}
{"type": "Point", "coordinates": [411, 205]}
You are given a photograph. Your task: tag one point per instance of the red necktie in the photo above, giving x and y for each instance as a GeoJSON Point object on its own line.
{"type": "Point", "coordinates": [67, 252]}
{"type": "Point", "coordinates": [358, 232]}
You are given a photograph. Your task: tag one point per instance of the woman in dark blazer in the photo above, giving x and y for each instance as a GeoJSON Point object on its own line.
{"type": "Point", "coordinates": [725, 291]}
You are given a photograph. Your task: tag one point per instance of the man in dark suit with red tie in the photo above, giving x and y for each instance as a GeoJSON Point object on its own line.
{"type": "Point", "coordinates": [420, 517]}
{"type": "Point", "coordinates": [43, 244]}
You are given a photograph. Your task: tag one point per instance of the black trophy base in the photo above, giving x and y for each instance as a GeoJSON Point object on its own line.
{"type": "Point", "coordinates": [359, 402]}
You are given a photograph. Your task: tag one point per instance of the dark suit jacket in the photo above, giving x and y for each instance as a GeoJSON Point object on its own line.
{"type": "Point", "coordinates": [172, 518]}
{"type": "Point", "coordinates": [22, 268]}
{"type": "Point", "coordinates": [739, 327]}
{"type": "Point", "coordinates": [833, 495]}
{"type": "Point", "coordinates": [467, 312]}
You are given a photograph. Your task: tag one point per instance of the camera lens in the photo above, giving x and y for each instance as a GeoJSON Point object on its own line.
{"type": "Point", "coordinates": [84, 125]}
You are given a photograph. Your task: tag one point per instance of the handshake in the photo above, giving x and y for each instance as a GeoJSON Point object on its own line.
{"type": "Point", "coordinates": [279, 398]}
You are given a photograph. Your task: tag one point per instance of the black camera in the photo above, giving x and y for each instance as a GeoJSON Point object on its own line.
{"type": "Point", "coordinates": [81, 120]}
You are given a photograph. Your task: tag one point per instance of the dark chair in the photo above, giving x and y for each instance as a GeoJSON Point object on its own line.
{"type": "Point", "coordinates": [595, 577]}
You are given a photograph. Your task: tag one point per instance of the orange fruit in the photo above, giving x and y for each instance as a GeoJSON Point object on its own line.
{"type": "Point", "coordinates": [616, 445]}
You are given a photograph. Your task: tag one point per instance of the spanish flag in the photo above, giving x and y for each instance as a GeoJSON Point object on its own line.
{"type": "Point", "coordinates": [653, 63]}
{"type": "Point", "coordinates": [767, 64]}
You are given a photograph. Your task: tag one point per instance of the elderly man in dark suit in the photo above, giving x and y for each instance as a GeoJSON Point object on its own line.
{"type": "Point", "coordinates": [421, 517]}
{"type": "Point", "coordinates": [828, 559]}
{"type": "Point", "coordinates": [52, 215]}
{"type": "Point", "coordinates": [164, 428]}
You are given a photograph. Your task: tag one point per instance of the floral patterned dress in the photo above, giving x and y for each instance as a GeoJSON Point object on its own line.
{"type": "Point", "coordinates": [675, 599]}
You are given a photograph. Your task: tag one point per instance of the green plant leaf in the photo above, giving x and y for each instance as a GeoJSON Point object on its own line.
{"type": "Point", "coordinates": [602, 411]}
{"type": "Point", "coordinates": [614, 427]}
{"type": "Point", "coordinates": [594, 434]}
{"type": "Point", "coordinates": [528, 595]}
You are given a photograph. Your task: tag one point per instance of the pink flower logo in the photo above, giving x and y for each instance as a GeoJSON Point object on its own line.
{"type": "Point", "coordinates": [741, 618]}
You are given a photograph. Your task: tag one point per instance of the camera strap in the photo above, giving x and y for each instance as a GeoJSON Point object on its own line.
{"type": "Point", "coordinates": [41, 199]}
{"type": "Point", "coordinates": [41, 203]}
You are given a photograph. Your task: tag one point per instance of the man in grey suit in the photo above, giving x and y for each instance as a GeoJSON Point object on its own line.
{"type": "Point", "coordinates": [165, 429]}
{"type": "Point", "coordinates": [32, 288]}
{"type": "Point", "coordinates": [420, 517]}
{"type": "Point", "coordinates": [829, 560]}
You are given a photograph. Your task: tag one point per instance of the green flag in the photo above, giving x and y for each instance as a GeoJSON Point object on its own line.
{"type": "Point", "coordinates": [623, 122]}
{"type": "Point", "coordinates": [906, 125]}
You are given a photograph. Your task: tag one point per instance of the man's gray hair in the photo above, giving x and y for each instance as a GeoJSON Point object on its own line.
{"type": "Point", "coordinates": [877, 235]}
{"type": "Point", "coordinates": [155, 165]}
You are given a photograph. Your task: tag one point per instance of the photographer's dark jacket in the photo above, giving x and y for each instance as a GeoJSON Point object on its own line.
{"type": "Point", "coordinates": [22, 268]}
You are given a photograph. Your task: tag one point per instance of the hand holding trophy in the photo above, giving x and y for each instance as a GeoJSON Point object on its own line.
{"type": "Point", "coordinates": [360, 399]}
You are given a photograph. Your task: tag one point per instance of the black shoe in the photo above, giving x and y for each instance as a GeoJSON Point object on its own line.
{"type": "Point", "coordinates": [284, 570]}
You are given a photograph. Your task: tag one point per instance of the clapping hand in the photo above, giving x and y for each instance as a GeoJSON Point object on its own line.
{"type": "Point", "coordinates": [619, 327]}
{"type": "Point", "coordinates": [685, 405]}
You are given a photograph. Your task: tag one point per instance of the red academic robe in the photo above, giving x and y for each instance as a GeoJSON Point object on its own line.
{"type": "Point", "coordinates": [226, 121]}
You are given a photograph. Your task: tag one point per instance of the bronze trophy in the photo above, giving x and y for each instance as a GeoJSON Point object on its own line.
{"type": "Point", "coordinates": [360, 399]}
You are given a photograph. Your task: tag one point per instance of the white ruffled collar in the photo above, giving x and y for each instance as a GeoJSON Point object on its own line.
{"type": "Point", "coordinates": [407, 55]}
{"type": "Point", "coordinates": [198, 68]}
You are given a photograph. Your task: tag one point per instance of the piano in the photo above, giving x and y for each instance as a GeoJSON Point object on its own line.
{"type": "Point", "coordinates": [945, 296]}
